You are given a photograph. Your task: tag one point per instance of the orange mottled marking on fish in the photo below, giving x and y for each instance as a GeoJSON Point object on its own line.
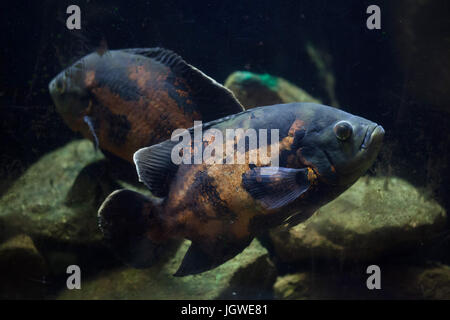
{"type": "Point", "coordinates": [296, 125]}
{"type": "Point", "coordinates": [162, 77]}
{"type": "Point", "coordinates": [286, 142]}
{"type": "Point", "coordinates": [312, 177]}
{"type": "Point", "coordinates": [89, 78]}
{"type": "Point", "coordinates": [144, 115]}
{"type": "Point", "coordinates": [228, 183]}
{"type": "Point", "coordinates": [140, 75]}
{"type": "Point", "coordinates": [182, 93]}
{"type": "Point", "coordinates": [200, 219]}
{"type": "Point", "coordinates": [182, 185]}
{"type": "Point", "coordinates": [306, 162]}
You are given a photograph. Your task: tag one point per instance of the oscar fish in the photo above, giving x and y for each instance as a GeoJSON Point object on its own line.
{"type": "Point", "coordinates": [127, 99]}
{"type": "Point", "coordinates": [221, 206]}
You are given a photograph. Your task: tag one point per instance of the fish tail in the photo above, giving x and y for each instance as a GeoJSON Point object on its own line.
{"type": "Point", "coordinates": [127, 219]}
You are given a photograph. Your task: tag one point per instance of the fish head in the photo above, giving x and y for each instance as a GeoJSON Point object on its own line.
{"type": "Point", "coordinates": [337, 145]}
{"type": "Point", "coordinates": [71, 90]}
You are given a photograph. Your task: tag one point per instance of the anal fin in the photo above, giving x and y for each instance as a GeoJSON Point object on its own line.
{"type": "Point", "coordinates": [199, 258]}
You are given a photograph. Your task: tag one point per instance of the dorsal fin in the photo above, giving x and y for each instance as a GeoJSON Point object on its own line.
{"type": "Point", "coordinates": [212, 100]}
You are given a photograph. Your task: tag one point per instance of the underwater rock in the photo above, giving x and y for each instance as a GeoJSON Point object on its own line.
{"type": "Point", "coordinates": [22, 269]}
{"type": "Point", "coordinates": [398, 281]}
{"type": "Point", "coordinates": [328, 283]}
{"type": "Point", "coordinates": [297, 286]}
{"type": "Point", "coordinates": [323, 62]}
{"type": "Point", "coordinates": [419, 282]}
{"type": "Point", "coordinates": [376, 217]}
{"type": "Point", "coordinates": [256, 90]}
{"type": "Point", "coordinates": [46, 203]}
{"type": "Point", "coordinates": [158, 282]}
{"type": "Point", "coordinates": [252, 281]}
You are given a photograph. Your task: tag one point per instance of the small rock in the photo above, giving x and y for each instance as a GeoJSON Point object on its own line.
{"type": "Point", "coordinates": [252, 281]}
{"type": "Point", "coordinates": [376, 217]}
{"type": "Point", "coordinates": [252, 267]}
{"type": "Point", "coordinates": [325, 284]}
{"type": "Point", "coordinates": [256, 90]}
{"type": "Point", "coordinates": [294, 287]}
{"type": "Point", "coordinates": [22, 269]}
{"type": "Point", "coordinates": [397, 282]}
{"type": "Point", "coordinates": [419, 282]}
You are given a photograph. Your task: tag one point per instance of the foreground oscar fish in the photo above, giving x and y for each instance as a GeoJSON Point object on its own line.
{"type": "Point", "coordinates": [128, 99]}
{"type": "Point", "coordinates": [220, 206]}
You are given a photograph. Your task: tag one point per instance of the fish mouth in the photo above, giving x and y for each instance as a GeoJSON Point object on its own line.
{"type": "Point", "coordinates": [374, 134]}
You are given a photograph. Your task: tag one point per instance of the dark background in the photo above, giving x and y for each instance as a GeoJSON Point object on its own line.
{"type": "Point", "coordinates": [220, 37]}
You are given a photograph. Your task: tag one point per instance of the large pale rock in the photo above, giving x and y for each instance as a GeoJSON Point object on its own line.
{"type": "Point", "coordinates": [249, 275]}
{"type": "Point", "coordinates": [256, 90]}
{"type": "Point", "coordinates": [57, 197]}
{"type": "Point", "coordinates": [376, 217]}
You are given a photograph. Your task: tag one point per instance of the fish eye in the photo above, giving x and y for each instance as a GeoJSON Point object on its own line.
{"type": "Point", "coordinates": [60, 85]}
{"type": "Point", "coordinates": [343, 130]}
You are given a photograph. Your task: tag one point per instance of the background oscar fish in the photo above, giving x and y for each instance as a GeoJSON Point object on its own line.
{"type": "Point", "coordinates": [220, 206]}
{"type": "Point", "coordinates": [127, 99]}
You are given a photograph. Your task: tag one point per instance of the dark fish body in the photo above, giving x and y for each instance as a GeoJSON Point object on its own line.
{"type": "Point", "coordinates": [127, 99]}
{"type": "Point", "coordinates": [221, 207]}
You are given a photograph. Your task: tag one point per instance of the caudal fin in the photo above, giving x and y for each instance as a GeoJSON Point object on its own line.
{"type": "Point", "coordinates": [125, 218]}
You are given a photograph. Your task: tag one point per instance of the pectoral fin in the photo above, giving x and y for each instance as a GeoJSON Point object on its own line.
{"type": "Point", "coordinates": [276, 187]}
{"type": "Point", "coordinates": [90, 122]}
{"type": "Point", "coordinates": [155, 167]}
